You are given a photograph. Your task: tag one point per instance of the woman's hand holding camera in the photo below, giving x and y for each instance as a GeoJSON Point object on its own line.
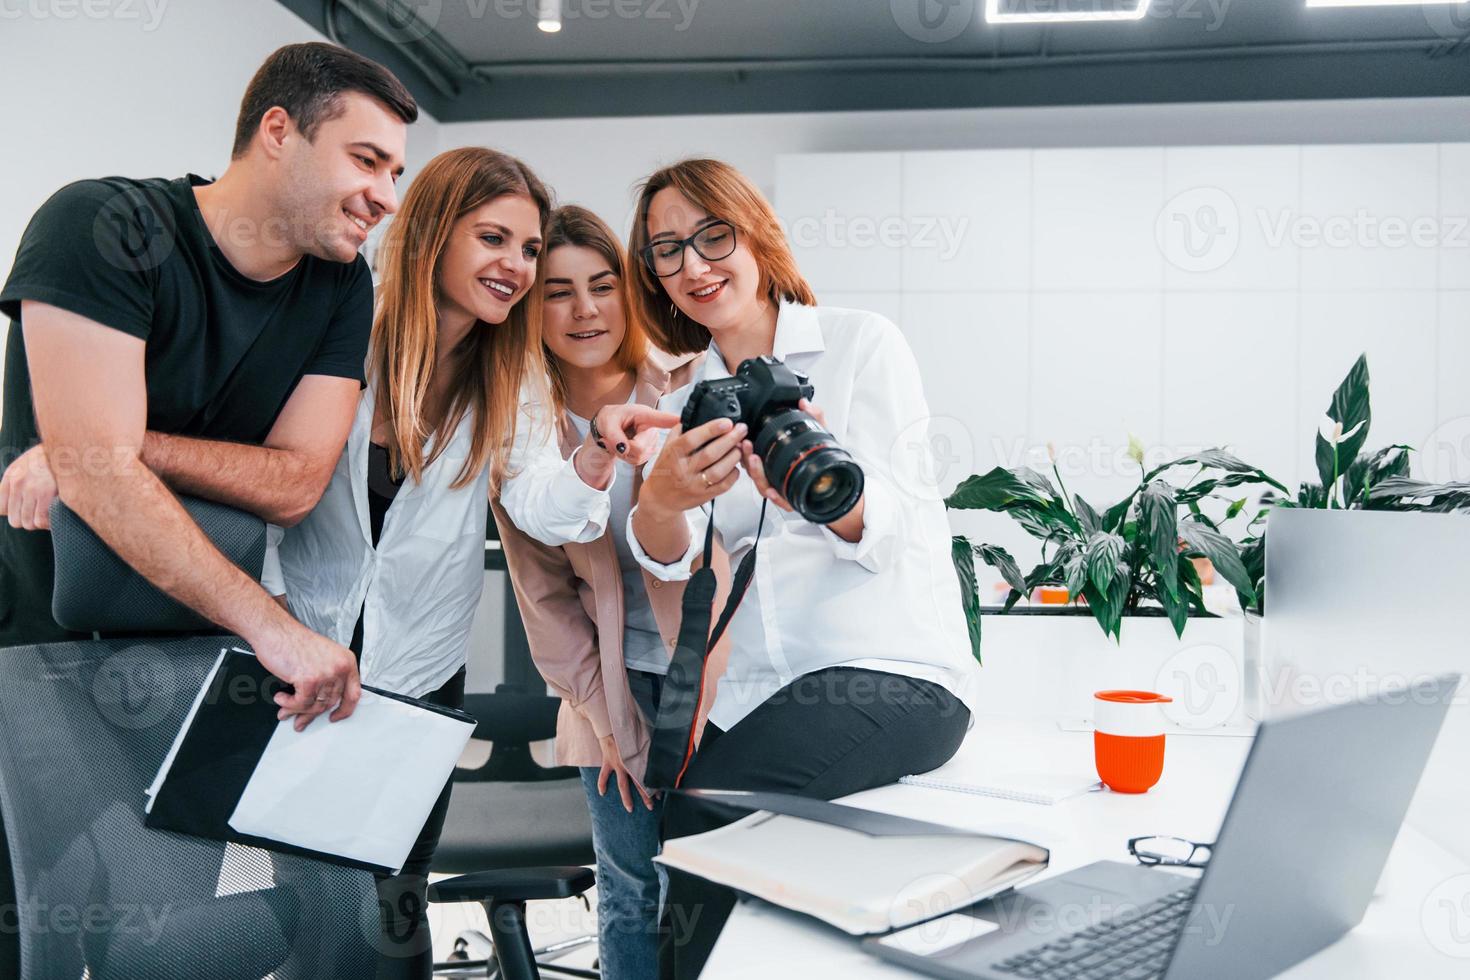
{"type": "Point", "coordinates": [694, 468]}
{"type": "Point", "coordinates": [849, 526]}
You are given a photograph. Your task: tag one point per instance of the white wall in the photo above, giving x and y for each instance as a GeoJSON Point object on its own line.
{"type": "Point", "coordinates": [597, 162]}
{"type": "Point", "coordinates": [1056, 276]}
{"type": "Point", "coordinates": [151, 90]}
{"type": "Point", "coordinates": [1191, 296]}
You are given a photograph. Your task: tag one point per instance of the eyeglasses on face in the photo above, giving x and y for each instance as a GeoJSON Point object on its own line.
{"type": "Point", "coordinates": [713, 242]}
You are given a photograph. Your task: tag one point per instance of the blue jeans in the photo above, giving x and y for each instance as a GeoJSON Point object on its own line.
{"type": "Point", "coordinates": [630, 887]}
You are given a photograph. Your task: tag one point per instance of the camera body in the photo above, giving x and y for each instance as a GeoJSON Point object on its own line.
{"type": "Point", "coordinates": [802, 461]}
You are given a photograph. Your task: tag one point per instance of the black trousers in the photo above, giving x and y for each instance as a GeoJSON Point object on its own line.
{"type": "Point", "coordinates": [827, 734]}
{"type": "Point", "coordinates": [405, 951]}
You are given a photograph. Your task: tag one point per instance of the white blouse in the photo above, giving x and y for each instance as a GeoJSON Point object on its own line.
{"type": "Point", "coordinates": [889, 601]}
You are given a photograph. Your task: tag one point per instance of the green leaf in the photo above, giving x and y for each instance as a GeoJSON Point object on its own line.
{"type": "Point", "coordinates": [1236, 506]}
{"type": "Point", "coordinates": [1217, 459]}
{"type": "Point", "coordinates": [963, 557]}
{"type": "Point", "coordinates": [1104, 554]}
{"type": "Point", "coordinates": [1253, 557]}
{"type": "Point", "coordinates": [1221, 552]}
{"type": "Point", "coordinates": [1158, 514]}
{"type": "Point", "coordinates": [1000, 560]}
{"type": "Point", "coordinates": [1118, 513]}
{"type": "Point", "coordinates": [1107, 604]}
{"type": "Point", "coordinates": [1000, 489]}
{"type": "Point", "coordinates": [1086, 515]}
{"type": "Point", "coordinates": [1367, 471]}
{"type": "Point", "coordinates": [1193, 587]}
{"type": "Point", "coordinates": [1036, 480]}
{"type": "Point", "coordinates": [1176, 603]}
{"type": "Point", "coordinates": [1350, 406]}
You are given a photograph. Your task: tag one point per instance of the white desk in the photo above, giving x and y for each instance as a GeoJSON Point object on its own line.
{"type": "Point", "coordinates": [1417, 925]}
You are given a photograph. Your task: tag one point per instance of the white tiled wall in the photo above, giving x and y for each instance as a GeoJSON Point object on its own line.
{"type": "Point", "coordinates": [1191, 296]}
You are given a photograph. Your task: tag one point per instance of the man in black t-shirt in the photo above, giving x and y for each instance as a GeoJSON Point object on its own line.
{"type": "Point", "coordinates": [207, 338]}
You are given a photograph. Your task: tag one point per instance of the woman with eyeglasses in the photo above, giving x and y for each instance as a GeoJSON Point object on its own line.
{"type": "Point", "coordinates": [600, 627]}
{"type": "Point", "coordinates": [849, 664]}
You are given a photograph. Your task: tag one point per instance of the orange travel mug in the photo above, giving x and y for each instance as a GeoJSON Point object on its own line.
{"type": "Point", "coordinates": [1128, 739]}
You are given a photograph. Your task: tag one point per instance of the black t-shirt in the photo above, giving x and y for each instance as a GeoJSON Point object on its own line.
{"type": "Point", "coordinates": [223, 352]}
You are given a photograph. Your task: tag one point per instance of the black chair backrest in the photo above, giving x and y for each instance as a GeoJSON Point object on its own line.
{"type": "Point", "coordinates": [84, 727]}
{"type": "Point", "coordinates": [96, 591]}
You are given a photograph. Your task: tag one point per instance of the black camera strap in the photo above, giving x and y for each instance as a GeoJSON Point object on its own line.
{"type": "Point", "coordinates": [672, 745]}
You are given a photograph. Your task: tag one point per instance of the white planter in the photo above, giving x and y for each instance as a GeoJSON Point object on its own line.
{"type": "Point", "coordinates": [1050, 665]}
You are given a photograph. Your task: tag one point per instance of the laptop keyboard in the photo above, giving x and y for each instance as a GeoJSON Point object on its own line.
{"type": "Point", "coordinates": [1129, 946]}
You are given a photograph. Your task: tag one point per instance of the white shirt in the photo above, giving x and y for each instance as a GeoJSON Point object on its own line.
{"type": "Point", "coordinates": [418, 590]}
{"type": "Point", "coordinates": [889, 601]}
{"type": "Point", "coordinates": [643, 645]}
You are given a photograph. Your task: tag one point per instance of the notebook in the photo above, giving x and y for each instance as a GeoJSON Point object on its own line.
{"type": "Point", "coordinates": [354, 792]}
{"type": "Point", "coordinates": [1025, 787]}
{"type": "Point", "coordinates": [861, 871]}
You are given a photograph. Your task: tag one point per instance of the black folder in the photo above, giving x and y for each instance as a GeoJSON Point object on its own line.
{"type": "Point", "coordinates": [218, 754]}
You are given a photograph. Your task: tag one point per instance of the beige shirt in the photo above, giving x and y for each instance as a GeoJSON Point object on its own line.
{"type": "Point", "coordinates": [571, 602]}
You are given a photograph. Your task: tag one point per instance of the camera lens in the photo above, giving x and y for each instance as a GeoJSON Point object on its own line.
{"type": "Point", "coordinates": [806, 466]}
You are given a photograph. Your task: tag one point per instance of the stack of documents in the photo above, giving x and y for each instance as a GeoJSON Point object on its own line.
{"type": "Point", "coordinates": [354, 792]}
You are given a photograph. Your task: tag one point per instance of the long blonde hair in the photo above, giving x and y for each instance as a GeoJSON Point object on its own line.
{"type": "Point", "coordinates": [495, 361]}
{"type": "Point", "coordinates": [723, 192]}
{"type": "Point", "coordinates": [574, 225]}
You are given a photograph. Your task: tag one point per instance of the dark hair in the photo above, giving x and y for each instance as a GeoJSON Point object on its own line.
{"type": "Point", "coordinates": [307, 80]}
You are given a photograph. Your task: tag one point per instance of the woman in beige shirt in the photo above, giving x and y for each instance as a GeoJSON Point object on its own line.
{"type": "Point", "coordinates": [600, 627]}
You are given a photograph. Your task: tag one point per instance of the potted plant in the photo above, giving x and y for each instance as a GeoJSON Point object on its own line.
{"type": "Point", "coordinates": [1133, 560]}
{"type": "Point", "coordinates": [1349, 478]}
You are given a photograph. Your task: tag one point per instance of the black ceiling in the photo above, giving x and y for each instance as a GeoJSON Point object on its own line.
{"type": "Point", "coordinates": [486, 59]}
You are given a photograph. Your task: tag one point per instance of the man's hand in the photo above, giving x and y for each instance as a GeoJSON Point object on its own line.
{"type": "Point", "coordinates": [26, 491]}
{"type": "Point", "coordinates": [323, 673]}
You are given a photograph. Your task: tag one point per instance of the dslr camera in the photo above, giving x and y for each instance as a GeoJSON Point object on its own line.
{"type": "Point", "coordinates": [803, 462]}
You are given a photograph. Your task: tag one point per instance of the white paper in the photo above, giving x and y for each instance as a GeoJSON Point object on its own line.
{"type": "Point", "coordinates": [173, 750]}
{"type": "Point", "coordinates": [937, 935]}
{"type": "Point", "coordinates": [360, 788]}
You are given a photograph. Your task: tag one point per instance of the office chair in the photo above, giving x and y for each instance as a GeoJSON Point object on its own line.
{"type": "Point", "coordinates": [508, 813]}
{"type": "Point", "coordinates": [83, 728]}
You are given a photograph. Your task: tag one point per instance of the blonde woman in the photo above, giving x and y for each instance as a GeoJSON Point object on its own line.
{"type": "Point", "coordinates": [601, 628]}
{"type": "Point", "coordinates": [391, 562]}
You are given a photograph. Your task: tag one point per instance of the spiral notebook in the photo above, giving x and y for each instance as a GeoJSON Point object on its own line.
{"type": "Point", "coordinates": [1024, 787]}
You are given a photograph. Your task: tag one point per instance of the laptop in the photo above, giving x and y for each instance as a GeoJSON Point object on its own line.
{"type": "Point", "coordinates": [1307, 834]}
